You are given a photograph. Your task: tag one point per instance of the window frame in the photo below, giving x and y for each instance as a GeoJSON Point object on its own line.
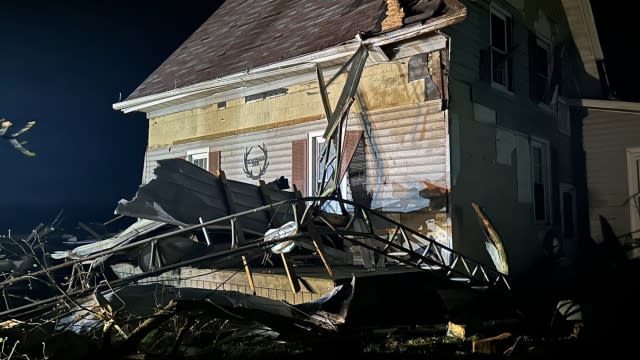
{"type": "Point", "coordinates": [199, 154]}
{"type": "Point", "coordinates": [544, 43]}
{"type": "Point", "coordinates": [508, 39]}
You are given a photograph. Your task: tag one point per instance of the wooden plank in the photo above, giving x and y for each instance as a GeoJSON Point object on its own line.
{"type": "Point", "coordinates": [315, 239]}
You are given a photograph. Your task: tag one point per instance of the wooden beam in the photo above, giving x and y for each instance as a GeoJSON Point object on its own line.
{"type": "Point", "coordinates": [293, 278]}
{"type": "Point", "coordinates": [315, 239]}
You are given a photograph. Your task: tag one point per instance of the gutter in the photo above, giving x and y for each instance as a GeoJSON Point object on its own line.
{"type": "Point", "coordinates": [302, 63]}
{"type": "Point", "coordinates": [607, 105]}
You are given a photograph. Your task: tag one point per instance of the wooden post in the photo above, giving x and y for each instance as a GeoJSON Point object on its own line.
{"type": "Point", "coordinates": [247, 270]}
{"type": "Point", "coordinates": [316, 244]}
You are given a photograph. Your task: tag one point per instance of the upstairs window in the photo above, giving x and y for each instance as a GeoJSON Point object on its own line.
{"type": "Point", "coordinates": [501, 67]}
{"type": "Point", "coordinates": [540, 63]}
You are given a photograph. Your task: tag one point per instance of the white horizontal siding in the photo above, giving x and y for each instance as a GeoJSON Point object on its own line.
{"type": "Point", "coordinates": [606, 137]}
{"type": "Point", "coordinates": [405, 147]}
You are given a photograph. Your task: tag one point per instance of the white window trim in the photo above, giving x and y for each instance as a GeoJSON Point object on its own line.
{"type": "Point", "coordinates": [198, 154]}
{"type": "Point", "coordinates": [504, 15]}
{"type": "Point", "coordinates": [546, 147]}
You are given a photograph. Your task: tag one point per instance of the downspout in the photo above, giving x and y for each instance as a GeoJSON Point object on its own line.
{"type": "Point", "coordinates": [608, 92]}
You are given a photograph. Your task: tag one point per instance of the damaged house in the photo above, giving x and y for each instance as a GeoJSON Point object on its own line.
{"type": "Point", "coordinates": [310, 159]}
{"type": "Point", "coordinates": [457, 102]}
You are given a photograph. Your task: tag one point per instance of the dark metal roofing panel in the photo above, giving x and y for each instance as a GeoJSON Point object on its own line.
{"type": "Point", "coordinates": [244, 34]}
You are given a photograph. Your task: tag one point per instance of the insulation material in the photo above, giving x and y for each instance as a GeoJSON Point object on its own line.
{"type": "Point", "coordinates": [395, 15]}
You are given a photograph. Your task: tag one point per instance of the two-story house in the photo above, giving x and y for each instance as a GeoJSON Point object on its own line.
{"type": "Point", "coordinates": [461, 98]}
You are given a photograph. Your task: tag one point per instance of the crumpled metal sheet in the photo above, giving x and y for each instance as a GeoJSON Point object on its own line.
{"type": "Point", "coordinates": [324, 313]}
{"type": "Point", "coordinates": [182, 194]}
{"type": "Point", "coordinates": [134, 230]}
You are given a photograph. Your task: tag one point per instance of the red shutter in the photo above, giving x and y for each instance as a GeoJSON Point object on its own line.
{"type": "Point", "coordinates": [214, 162]}
{"type": "Point", "coordinates": [351, 141]}
{"type": "Point", "coordinates": [299, 165]}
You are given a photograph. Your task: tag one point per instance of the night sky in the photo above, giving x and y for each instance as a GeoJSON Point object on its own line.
{"type": "Point", "coordinates": [64, 63]}
{"type": "Point", "coordinates": [618, 38]}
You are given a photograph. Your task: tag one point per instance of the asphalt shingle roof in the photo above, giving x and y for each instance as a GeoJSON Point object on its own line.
{"type": "Point", "coordinates": [244, 34]}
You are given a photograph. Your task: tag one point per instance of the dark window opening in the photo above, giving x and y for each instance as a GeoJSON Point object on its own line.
{"type": "Point", "coordinates": [541, 73]}
{"type": "Point", "coordinates": [501, 67]}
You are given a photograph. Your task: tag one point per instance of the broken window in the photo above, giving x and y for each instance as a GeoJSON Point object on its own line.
{"type": "Point", "coordinates": [540, 175]}
{"type": "Point", "coordinates": [319, 171]}
{"type": "Point", "coordinates": [500, 48]}
{"type": "Point", "coordinates": [199, 157]}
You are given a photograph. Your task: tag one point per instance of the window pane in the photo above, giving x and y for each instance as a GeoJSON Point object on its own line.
{"type": "Point", "coordinates": [542, 61]}
{"type": "Point", "coordinates": [200, 163]}
{"type": "Point", "coordinates": [499, 68]}
{"type": "Point", "coordinates": [498, 36]}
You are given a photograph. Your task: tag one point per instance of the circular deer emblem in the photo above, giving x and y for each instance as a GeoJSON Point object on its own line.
{"type": "Point", "coordinates": [256, 161]}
